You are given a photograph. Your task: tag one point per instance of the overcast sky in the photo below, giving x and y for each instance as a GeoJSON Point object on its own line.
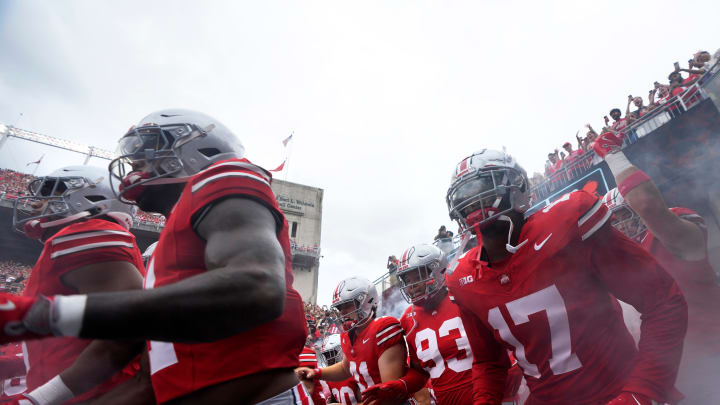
{"type": "Point", "coordinates": [384, 97]}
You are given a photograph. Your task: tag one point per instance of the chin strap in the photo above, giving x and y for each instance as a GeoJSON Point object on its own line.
{"type": "Point", "coordinates": [510, 248]}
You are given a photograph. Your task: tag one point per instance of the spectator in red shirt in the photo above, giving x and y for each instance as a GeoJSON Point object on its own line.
{"type": "Point", "coordinates": [572, 155]}
{"type": "Point", "coordinates": [555, 164]}
{"type": "Point", "coordinates": [619, 123]}
{"type": "Point", "coordinates": [659, 95]}
{"type": "Point", "coordinates": [677, 84]}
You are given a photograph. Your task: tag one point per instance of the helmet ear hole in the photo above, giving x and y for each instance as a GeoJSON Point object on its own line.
{"type": "Point", "coordinates": [209, 152]}
{"type": "Point", "coordinates": [95, 198]}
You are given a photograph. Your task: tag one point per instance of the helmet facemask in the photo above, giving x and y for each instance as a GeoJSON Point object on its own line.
{"type": "Point", "coordinates": [479, 199]}
{"type": "Point", "coordinates": [48, 204]}
{"type": "Point", "coordinates": [351, 314]}
{"type": "Point", "coordinates": [627, 221]}
{"type": "Point", "coordinates": [329, 356]}
{"type": "Point", "coordinates": [150, 153]}
{"type": "Point", "coordinates": [418, 284]}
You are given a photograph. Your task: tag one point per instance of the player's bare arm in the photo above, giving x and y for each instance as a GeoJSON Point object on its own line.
{"type": "Point", "coordinates": [681, 237]}
{"type": "Point", "coordinates": [392, 362]}
{"type": "Point", "coordinates": [102, 358]}
{"type": "Point", "coordinates": [137, 390]}
{"type": "Point", "coordinates": [246, 276]}
{"type": "Point", "coordinates": [337, 372]}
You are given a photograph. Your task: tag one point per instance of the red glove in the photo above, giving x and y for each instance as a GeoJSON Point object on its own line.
{"type": "Point", "coordinates": [394, 390]}
{"type": "Point", "coordinates": [607, 143]}
{"type": "Point", "coordinates": [632, 398]}
{"type": "Point", "coordinates": [12, 313]}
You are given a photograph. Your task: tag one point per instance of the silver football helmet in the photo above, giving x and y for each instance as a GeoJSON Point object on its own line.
{"type": "Point", "coordinates": [169, 146]}
{"type": "Point", "coordinates": [363, 296]}
{"type": "Point", "coordinates": [486, 185]}
{"type": "Point", "coordinates": [330, 351]}
{"type": "Point", "coordinates": [624, 218]}
{"type": "Point", "coordinates": [421, 272]}
{"type": "Point", "coordinates": [67, 195]}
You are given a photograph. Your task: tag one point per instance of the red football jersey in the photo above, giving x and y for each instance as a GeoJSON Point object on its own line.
{"type": "Point", "coordinates": [364, 350]}
{"type": "Point", "coordinates": [308, 358]}
{"type": "Point", "coordinates": [551, 303]}
{"type": "Point", "coordinates": [181, 368]}
{"type": "Point", "coordinates": [77, 245]}
{"type": "Point", "coordinates": [699, 371]}
{"type": "Point", "coordinates": [13, 368]}
{"type": "Point", "coordinates": [438, 342]}
{"type": "Point", "coordinates": [345, 392]}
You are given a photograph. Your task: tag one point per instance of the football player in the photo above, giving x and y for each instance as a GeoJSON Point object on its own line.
{"type": "Point", "coordinates": [219, 283]}
{"type": "Point", "coordinates": [677, 238]}
{"type": "Point", "coordinates": [344, 392]}
{"type": "Point", "coordinates": [544, 287]}
{"type": "Point", "coordinates": [87, 248]}
{"type": "Point", "coordinates": [434, 332]}
{"type": "Point", "coordinates": [374, 348]}
{"type": "Point", "coordinates": [308, 358]}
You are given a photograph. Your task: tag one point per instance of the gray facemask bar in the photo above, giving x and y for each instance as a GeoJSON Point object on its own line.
{"type": "Point", "coordinates": [498, 190]}
{"type": "Point", "coordinates": [169, 164]}
{"type": "Point", "coordinates": [22, 208]}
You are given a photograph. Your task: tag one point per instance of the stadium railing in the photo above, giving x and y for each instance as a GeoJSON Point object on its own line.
{"type": "Point", "coordinates": [648, 123]}
{"type": "Point", "coordinates": [304, 255]}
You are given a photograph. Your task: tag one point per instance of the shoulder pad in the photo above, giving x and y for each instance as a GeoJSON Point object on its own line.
{"type": "Point", "coordinates": [237, 168]}
{"type": "Point", "coordinates": [576, 215]}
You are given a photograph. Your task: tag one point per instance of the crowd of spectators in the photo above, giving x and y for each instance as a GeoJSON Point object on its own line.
{"type": "Point", "coordinates": [562, 166]}
{"type": "Point", "coordinates": [13, 276]}
{"type": "Point", "coordinates": [321, 322]}
{"type": "Point", "coordinates": [297, 248]}
{"type": "Point", "coordinates": [13, 184]}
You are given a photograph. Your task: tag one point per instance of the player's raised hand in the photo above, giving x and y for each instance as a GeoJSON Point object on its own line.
{"type": "Point", "coordinates": [607, 143]}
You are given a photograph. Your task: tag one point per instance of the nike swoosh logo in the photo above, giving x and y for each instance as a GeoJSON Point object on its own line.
{"type": "Point", "coordinates": [8, 306]}
{"type": "Point", "coordinates": [365, 340]}
{"type": "Point", "coordinates": [538, 247]}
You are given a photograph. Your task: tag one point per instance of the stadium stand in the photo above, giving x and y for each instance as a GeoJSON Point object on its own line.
{"type": "Point", "coordinates": [13, 276]}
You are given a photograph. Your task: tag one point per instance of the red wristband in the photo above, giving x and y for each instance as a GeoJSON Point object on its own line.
{"type": "Point", "coordinates": [318, 373]}
{"type": "Point", "coordinates": [632, 181]}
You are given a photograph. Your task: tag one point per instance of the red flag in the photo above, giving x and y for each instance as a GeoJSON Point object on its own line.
{"type": "Point", "coordinates": [37, 162]}
{"type": "Point", "coordinates": [277, 169]}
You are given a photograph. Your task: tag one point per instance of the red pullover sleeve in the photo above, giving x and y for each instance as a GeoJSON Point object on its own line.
{"type": "Point", "coordinates": [490, 362]}
{"type": "Point", "coordinates": [633, 276]}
